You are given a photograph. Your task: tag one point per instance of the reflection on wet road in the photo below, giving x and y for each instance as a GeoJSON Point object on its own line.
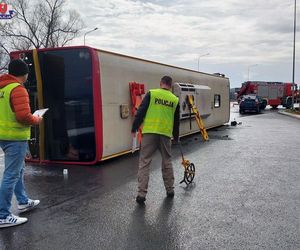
{"type": "Point", "coordinates": [245, 195]}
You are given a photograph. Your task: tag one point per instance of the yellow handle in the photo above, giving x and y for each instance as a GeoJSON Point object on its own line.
{"type": "Point", "coordinates": [198, 118]}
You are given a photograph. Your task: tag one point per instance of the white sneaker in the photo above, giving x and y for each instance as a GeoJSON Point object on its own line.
{"type": "Point", "coordinates": [12, 220]}
{"type": "Point", "coordinates": [31, 204]}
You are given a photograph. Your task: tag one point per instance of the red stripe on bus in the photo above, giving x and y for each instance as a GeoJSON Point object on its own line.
{"type": "Point", "coordinates": [97, 104]}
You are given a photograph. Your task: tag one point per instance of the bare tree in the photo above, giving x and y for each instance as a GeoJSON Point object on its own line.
{"type": "Point", "coordinates": [39, 24]}
{"type": "Point", "coordinates": [4, 58]}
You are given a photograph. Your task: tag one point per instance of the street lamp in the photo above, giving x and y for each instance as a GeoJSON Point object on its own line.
{"type": "Point", "coordinates": [87, 33]}
{"type": "Point", "coordinates": [199, 58]}
{"type": "Point", "coordinates": [253, 65]}
{"type": "Point", "coordinates": [294, 49]}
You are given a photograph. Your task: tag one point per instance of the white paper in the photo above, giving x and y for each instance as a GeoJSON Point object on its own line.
{"type": "Point", "coordinates": [40, 112]}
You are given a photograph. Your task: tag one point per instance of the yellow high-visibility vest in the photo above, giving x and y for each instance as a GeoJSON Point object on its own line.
{"type": "Point", "coordinates": [10, 128]}
{"type": "Point", "coordinates": [159, 118]}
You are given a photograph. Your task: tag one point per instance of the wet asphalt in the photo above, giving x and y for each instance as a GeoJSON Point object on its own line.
{"type": "Point", "coordinates": [246, 195]}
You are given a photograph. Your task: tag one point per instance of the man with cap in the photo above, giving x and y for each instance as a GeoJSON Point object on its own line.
{"type": "Point", "coordinates": [15, 121]}
{"type": "Point", "coordinates": [159, 113]}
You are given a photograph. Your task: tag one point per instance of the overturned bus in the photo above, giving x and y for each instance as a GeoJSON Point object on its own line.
{"type": "Point", "coordinates": [89, 100]}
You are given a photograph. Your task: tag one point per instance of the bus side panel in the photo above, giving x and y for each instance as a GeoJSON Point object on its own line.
{"type": "Point", "coordinates": [117, 71]}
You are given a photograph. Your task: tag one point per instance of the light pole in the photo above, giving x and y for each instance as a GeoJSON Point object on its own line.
{"type": "Point", "coordinates": [87, 33]}
{"type": "Point", "coordinates": [199, 59]}
{"type": "Point", "coordinates": [294, 54]}
{"type": "Point", "coordinates": [253, 65]}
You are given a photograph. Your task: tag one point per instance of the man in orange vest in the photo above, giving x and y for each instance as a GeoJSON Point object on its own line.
{"type": "Point", "coordinates": [159, 113]}
{"type": "Point", "coordinates": [15, 122]}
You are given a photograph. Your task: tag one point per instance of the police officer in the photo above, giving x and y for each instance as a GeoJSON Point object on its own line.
{"type": "Point", "coordinates": [159, 113]}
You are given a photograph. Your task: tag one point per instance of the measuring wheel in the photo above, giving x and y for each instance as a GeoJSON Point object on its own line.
{"type": "Point", "coordinates": [189, 169]}
{"type": "Point", "coordinates": [189, 172]}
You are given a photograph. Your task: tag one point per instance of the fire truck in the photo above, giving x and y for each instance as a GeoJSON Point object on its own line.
{"type": "Point", "coordinates": [271, 93]}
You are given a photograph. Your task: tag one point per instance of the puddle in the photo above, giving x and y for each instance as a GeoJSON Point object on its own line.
{"type": "Point", "coordinates": [44, 172]}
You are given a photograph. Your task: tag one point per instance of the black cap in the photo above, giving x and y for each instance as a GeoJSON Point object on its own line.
{"type": "Point", "coordinates": [18, 67]}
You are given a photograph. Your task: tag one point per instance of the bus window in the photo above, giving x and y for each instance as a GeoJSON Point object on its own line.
{"type": "Point", "coordinates": [68, 93]}
{"type": "Point", "coordinates": [217, 101]}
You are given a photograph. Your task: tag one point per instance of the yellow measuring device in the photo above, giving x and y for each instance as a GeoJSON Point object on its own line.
{"type": "Point", "coordinates": [189, 169]}
{"type": "Point", "coordinates": [192, 106]}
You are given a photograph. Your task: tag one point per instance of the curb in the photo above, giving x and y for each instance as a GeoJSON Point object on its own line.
{"type": "Point", "coordinates": [288, 114]}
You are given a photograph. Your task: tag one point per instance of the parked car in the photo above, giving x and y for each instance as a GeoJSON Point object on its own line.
{"type": "Point", "coordinates": [250, 103]}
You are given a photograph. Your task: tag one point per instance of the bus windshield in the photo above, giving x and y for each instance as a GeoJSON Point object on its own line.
{"type": "Point", "coordinates": [68, 93]}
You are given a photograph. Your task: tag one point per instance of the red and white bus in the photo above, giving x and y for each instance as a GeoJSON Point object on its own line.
{"type": "Point", "coordinates": [87, 93]}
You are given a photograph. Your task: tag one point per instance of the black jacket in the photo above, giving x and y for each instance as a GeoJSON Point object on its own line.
{"type": "Point", "coordinates": [141, 113]}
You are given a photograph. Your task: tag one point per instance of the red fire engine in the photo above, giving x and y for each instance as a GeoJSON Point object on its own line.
{"type": "Point", "coordinates": [271, 93]}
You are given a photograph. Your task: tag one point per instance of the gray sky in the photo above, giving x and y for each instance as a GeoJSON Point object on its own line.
{"type": "Point", "coordinates": [237, 34]}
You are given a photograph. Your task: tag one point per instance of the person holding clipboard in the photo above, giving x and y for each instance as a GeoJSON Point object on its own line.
{"type": "Point", "coordinates": [15, 121]}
